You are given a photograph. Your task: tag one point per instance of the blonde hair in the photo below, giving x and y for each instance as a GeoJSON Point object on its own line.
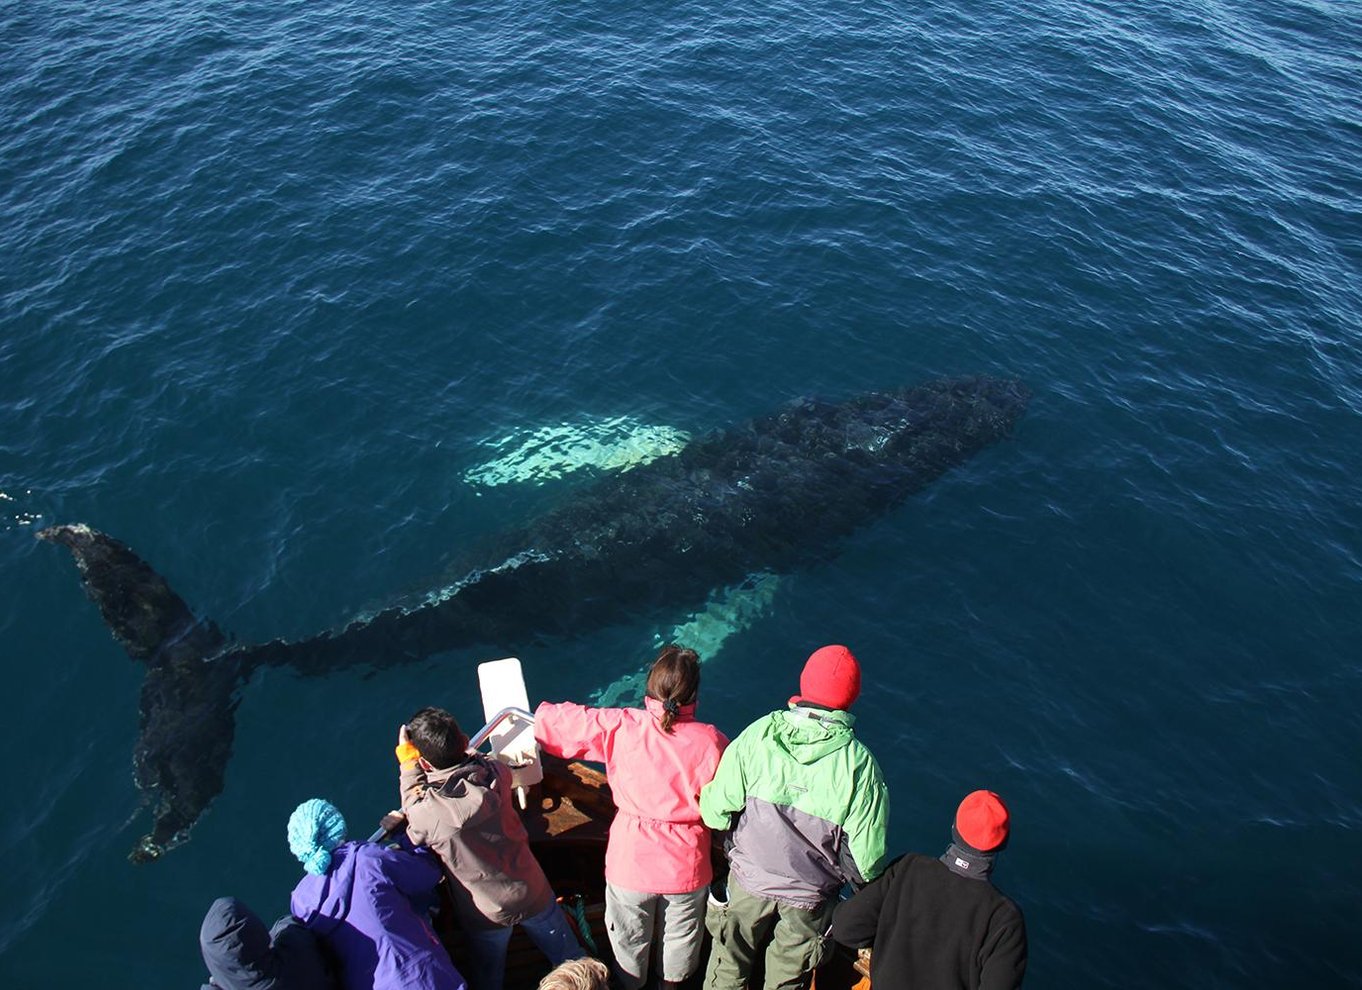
{"type": "Point", "coordinates": [577, 974]}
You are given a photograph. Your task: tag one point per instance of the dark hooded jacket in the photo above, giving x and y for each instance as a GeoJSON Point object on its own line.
{"type": "Point", "coordinates": [241, 954]}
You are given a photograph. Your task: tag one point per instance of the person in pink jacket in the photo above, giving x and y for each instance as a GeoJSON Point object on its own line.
{"type": "Point", "coordinates": [657, 861]}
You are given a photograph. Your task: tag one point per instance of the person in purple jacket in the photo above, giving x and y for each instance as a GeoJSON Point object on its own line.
{"type": "Point", "coordinates": [357, 896]}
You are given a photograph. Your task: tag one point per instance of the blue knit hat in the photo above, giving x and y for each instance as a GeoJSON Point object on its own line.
{"type": "Point", "coordinates": [314, 829]}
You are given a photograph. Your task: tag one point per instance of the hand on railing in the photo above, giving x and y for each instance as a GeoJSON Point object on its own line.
{"type": "Point", "coordinates": [388, 824]}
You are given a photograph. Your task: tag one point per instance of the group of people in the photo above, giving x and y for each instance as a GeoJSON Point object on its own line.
{"type": "Point", "coordinates": [803, 804]}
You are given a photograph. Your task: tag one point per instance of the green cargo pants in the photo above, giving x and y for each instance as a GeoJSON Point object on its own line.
{"type": "Point", "coordinates": [741, 928]}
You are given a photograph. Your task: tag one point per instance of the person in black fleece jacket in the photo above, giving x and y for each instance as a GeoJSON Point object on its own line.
{"type": "Point", "coordinates": [939, 923]}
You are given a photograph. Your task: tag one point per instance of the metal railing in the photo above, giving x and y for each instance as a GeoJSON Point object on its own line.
{"type": "Point", "coordinates": [482, 735]}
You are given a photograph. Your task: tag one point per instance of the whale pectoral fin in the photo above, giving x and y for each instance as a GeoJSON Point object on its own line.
{"type": "Point", "coordinates": [727, 612]}
{"type": "Point", "coordinates": [188, 721]}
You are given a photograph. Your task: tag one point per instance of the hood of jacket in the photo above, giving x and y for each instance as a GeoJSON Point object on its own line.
{"type": "Point", "coordinates": [807, 733]}
{"type": "Point", "coordinates": [236, 947]}
{"type": "Point", "coordinates": [476, 771]}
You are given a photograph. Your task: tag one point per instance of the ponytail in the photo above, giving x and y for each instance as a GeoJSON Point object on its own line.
{"type": "Point", "coordinates": [318, 862]}
{"type": "Point", "coordinates": [674, 681]}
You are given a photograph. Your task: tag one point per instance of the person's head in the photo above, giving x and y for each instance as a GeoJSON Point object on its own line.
{"type": "Point", "coordinates": [314, 829]}
{"type": "Point", "coordinates": [242, 954]}
{"type": "Point", "coordinates": [982, 822]}
{"type": "Point", "coordinates": [831, 679]}
{"type": "Point", "coordinates": [438, 738]}
{"type": "Point", "coordinates": [674, 681]}
{"type": "Point", "coordinates": [235, 944]}
{"type": "Point", "coordinates": [577, 974]}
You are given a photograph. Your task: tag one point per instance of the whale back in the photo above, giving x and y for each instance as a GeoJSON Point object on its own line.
{"type": "Point", "coordinates": [781, 489]}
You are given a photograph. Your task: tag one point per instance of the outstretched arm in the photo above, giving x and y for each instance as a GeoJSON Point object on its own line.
{"type": "Point", "coordinates": [576, 732]}
{"type": "Point", "coordinates": [855, 921]}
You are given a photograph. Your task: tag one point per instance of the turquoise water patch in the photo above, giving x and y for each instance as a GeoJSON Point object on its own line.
{"type": "Point", "coordinates": [728, 612]}
{"type": "Point", "coordinates": [545, 453]}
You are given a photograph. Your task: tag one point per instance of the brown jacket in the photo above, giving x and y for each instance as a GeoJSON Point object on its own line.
{"type": "Point", "coordinates": [467, 816]}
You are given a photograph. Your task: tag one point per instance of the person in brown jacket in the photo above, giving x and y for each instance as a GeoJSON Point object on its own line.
{"type": "Point", "coordinates": [461, 806]}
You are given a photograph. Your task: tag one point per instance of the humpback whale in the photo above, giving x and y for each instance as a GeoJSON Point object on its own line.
{"type": "Point", "coordinates": [772, 494]}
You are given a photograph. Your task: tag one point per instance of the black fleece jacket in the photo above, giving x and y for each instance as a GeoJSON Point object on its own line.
{"type": "Point", "coordinates": [933, 928]}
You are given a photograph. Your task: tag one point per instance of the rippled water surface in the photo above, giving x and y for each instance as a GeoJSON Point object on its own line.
{"type": "Point", "coordinates": [280, 283]}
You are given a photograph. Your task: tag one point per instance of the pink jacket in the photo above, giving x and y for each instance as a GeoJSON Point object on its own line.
{"type": "Point", "coordinates": [658, 844]}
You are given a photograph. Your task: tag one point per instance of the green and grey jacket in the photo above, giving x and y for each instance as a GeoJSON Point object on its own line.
{"type": "Point", "coordinates": [807, 805]}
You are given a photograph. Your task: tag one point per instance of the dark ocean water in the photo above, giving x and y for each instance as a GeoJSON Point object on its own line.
{"type": "Point", "coordinates": [274, 275]}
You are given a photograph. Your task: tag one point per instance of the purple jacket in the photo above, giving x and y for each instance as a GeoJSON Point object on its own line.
{"type": "Point", "coordinates": [362, 908]}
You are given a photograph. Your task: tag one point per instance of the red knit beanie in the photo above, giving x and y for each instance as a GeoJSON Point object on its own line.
{"type": "Point", "coordinates": [831, 678]}
{"type": "Point", "coordinates": [982, 820]}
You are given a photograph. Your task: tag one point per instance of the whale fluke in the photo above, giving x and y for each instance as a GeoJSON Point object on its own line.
{"type": "Point", "coordinates": [189, 696]}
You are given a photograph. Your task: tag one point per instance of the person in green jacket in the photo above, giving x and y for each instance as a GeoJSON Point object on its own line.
{"type": "Point", "coordinates": [808, 811]}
